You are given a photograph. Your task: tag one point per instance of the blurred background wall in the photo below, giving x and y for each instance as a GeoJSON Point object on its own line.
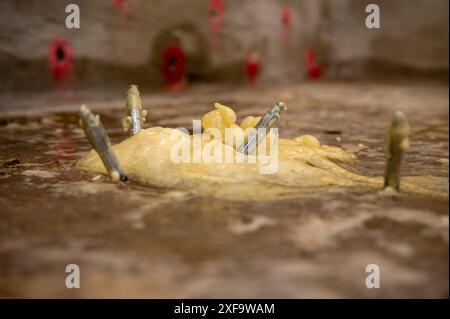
{"type": "Point", "coordinates": [126, 41]}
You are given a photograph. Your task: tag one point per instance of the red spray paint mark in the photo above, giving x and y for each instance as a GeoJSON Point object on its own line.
{"type": "Point", "coordinates": [174, 68]}
{"type": "Point", "coordinates": [216, 14]}
{"type": "Point", "coordinates": [286, 16]}
{"type": "Point", "coordinates": [253, 66]}
{"type": "Point", "coordinates": [286, 21]}
{"type": "Point", "coordinates": [125, 8]}
{"type": "Point", "coordinates": [64, 148]}
{"type": "Point", "coordinates": [312, 65]}
{"type": "Point", "coordinates": [60, 57]}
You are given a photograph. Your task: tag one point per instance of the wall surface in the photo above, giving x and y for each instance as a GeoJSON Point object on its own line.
{"type": "Point", "coordinates": [413, 35]}
{"type": "Point", "coordinates": [122, 41]}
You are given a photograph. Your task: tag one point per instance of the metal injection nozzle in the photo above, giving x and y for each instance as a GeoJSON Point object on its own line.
{"type": "Point", "coordinates": [268, 121]}
{"type": "Point", "coordinates": [135, 115]}
{"type": "Point", "coordinates": [397, 143]}
{"type": "Point", "coordinates": [96, 134]}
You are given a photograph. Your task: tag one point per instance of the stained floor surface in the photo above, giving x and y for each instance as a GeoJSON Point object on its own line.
{"type": "Point", "coordinates": [134, 241]}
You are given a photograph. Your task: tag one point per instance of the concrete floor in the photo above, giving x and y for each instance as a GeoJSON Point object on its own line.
{"type": "Point", "coordinates": [133, 241]}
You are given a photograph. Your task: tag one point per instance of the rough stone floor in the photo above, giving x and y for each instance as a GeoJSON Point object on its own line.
{"type": "Point", "coordinates": [133, 241]}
